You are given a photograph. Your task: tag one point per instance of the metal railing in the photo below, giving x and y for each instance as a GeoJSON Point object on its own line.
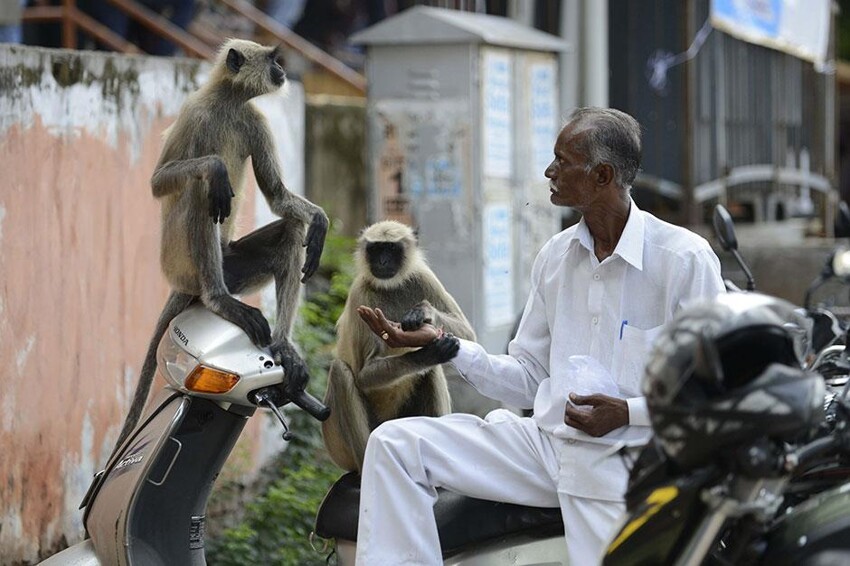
{"type": "Point", "coordinates": [201, 45]}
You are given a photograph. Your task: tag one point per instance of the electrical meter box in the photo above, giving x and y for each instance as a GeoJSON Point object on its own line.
{"type": "Point", "coordinates": [463, 116]}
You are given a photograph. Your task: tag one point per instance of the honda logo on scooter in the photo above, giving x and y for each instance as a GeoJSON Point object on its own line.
{"type": "Point", "coordinates": [182, 336]}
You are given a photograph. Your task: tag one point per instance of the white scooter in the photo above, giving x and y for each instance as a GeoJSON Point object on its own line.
{"type": "Point", "coordinates": [147, 506]}
{"type": "Point", "coordinates": [473, 532]}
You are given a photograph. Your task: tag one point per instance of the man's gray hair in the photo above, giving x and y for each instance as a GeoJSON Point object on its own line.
{"type": "Point", "coordinates": [612, 137]}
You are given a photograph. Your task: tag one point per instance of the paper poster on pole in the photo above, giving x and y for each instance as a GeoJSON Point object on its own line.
{"type": "Point", "coordinates": [498, 253]}
{"type": "Point", "coordinates": [423, 150]}
{"type": "Point", "coordinates": [497, 123]}
{"type": "Point", "coordinates": [543, 121]}
{"type": "Point", "coordinates": [798, 27]}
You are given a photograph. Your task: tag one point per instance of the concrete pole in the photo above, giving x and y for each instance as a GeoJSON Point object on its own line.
{"type": "Point", "coordinates": [594, 53]}
{"type": "Point", "coordinates": [570, 65]}
{"type": "Point", "coordinates": [521, 11]}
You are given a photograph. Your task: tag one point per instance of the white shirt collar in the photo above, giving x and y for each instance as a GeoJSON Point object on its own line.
{"type": "Point", "coordinates": [630, 246]}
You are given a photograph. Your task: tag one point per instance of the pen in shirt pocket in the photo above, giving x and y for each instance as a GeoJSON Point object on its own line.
{"type": "Point", "coordinates": [623, 325]}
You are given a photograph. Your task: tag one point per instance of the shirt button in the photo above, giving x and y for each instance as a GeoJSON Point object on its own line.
{"type": "Point", "coordinates": [596, 276]}
{"type": "Point", "coordinates": [595, 320]}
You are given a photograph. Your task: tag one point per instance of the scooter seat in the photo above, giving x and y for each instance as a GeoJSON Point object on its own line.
{"type": "Point", "coordinates": [461, 521]}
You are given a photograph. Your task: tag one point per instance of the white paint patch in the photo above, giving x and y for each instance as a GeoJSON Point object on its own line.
{"type": "Point", "coordinates": [271, 440]}
{"type": "Point", "coordinates": [115, 96]}
{"type": "Point", "coordinates": [126, 386]}
{"type": "Point", "coordinates": [118, 96]}
{"type": "Point", "coordinates": [24, 354]}
{"type": "Point", "coordinates": [2, 217]}
{"type": "Point", "coordinates": [77, 472]}
{"type": "Point", "coordinates": [12, 539]}
{"type": "Point", "coordinates": [285, 112]}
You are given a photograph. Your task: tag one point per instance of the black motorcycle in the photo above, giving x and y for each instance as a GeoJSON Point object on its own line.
{"type": "Point", "coordinates": [749, 464]}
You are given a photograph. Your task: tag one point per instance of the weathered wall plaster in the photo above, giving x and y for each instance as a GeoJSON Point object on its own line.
{"type": "Point", "coordinates": [80, 287]}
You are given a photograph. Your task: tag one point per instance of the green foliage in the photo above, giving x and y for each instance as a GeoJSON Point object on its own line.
{"type": "Point", "coordinates": [842, 47]}
{"type": "Point", "coordinates": [277, 525]}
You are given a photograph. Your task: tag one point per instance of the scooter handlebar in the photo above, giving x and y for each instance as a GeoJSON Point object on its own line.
{"type": "Point", "coordinates": [312, 405]}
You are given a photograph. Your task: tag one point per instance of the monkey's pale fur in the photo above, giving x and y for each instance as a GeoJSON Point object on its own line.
{"type": "Point", "coordinates": [214, 129]}
{"type": "Point", "coordinates": [370, 383]}
{"type": "Point", "coordinates": [203, 160]}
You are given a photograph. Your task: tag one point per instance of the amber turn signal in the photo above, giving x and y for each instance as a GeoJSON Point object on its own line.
{"type": "Point", "coordinates": [209, 380]}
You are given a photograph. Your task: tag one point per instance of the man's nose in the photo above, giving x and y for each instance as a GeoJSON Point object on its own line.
{"type": "Point", "coordinates": [550, 171]}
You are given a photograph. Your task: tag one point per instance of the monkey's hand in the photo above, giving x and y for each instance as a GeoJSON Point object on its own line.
{"type": "Point", "coordinates": [315, 243]}
{"type": "Point", "coordinates": [442, 349]}
{"type": "Point", "coordinates": [391, 332]}
{"type": "Point", "coordinates": [246, 317]}
{"type": "Point", "coordinates": [284, 354]}
{"type": "Point", "coordinates": [219, 194]}
{"type": "Point", "coordinates": [423, 313]}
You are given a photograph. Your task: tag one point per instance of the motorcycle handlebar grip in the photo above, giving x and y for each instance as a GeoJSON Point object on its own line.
{"type": "Point", "coordinates": [311, 405]}
{"type": "Point", "coordinates": [812, 450]}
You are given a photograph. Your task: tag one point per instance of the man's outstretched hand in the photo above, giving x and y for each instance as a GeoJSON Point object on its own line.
{"type": "Point", "coordinates": [392, 333]}
{"type": "Point", "coordinates": [597, 414]}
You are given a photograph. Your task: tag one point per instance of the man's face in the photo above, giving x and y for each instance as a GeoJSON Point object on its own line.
{"type": "Point", "coordinates": [569, 182]}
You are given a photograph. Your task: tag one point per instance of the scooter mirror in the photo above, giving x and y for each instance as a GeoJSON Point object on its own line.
{"type": "Point", "coordinates": [725, 228]}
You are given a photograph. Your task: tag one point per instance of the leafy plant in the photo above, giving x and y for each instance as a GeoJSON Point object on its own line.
{"type": "Point", "coordinates": [277, 525]}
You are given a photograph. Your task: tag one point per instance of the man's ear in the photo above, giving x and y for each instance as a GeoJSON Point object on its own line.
{"type": "Point", "coordinates": [604, 174]}
{"type": "Point", "coordinates": [235, 60]}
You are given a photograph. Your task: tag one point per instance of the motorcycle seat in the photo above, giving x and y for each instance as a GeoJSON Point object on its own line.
{"type": "Point", "coordinates": [461, 521]}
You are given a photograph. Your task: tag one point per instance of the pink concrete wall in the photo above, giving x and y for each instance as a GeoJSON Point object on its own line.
{"type": "Point", "coordinates": [80, 287]}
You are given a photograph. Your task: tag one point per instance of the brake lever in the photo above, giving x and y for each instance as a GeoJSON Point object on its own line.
{"type": "Point", "coordinates": [264, 398]}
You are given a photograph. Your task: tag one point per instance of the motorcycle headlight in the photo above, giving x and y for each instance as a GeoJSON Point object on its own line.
{"type": "Point", "coordinates": [841, 263]}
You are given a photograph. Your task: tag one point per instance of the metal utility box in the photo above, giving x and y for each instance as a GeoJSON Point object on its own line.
{"type": "Point", "coordinates": [463, 116]}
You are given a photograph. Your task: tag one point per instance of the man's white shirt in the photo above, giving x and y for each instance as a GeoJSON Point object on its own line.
{"type": "Point", "coordinates": [609, 311]}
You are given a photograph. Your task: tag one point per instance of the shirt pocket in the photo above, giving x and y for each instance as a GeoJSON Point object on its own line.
{"type": "Point", "coordinates": [630, 356]}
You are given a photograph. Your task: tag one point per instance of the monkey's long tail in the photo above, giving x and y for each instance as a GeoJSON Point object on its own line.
{"type": "Point", "coordinates": [176, 303]}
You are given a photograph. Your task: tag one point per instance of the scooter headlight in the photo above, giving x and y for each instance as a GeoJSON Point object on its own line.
{"type": "Point", "coordinates": [182, 370]}
{"type": "Point", "coordinates": [174, 362]}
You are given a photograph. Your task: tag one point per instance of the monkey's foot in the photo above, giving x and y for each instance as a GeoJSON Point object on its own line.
{"type": "Point", "coordinates": [423, 313]}
{"type": "Point", "coordinates": [284, 354]}
{"type": "Point", "coordinates": [246, 317]}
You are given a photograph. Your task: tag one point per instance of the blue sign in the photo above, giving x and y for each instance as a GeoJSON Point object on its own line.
{"type": "Point", "coordinates": [799, 27]}
{"type": "Point", "coordinates": [762, 16]}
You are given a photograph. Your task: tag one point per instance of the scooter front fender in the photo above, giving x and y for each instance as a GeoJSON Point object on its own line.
{"type": "Point", "coordinates": [81, 554]}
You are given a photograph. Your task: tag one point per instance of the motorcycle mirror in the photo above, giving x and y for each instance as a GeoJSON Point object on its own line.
{"type": "Point", "coordinates": [844, 213]}
{"type": "Point", "coordinates": [724, 228]}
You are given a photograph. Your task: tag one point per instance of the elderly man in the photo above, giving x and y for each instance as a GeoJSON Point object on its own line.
{"type": "Point", "coordinates": [600, 291]}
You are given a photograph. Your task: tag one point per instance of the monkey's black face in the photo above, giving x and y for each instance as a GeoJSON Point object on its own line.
{"type": "Point", "coordinates": [278, 76]}
{"type": "Point", "coordinates": [385, 258]}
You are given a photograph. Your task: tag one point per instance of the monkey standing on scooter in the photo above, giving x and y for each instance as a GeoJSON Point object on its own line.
{"type": "Point", "coordinates": [202, 167]}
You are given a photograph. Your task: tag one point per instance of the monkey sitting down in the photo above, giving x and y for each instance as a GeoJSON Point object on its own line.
{"type": "Point", "coordinates": [368, 382]}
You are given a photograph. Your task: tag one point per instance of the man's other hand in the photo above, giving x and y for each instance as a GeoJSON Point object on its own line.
{"type": "Point", "coordinates": [597, 414]}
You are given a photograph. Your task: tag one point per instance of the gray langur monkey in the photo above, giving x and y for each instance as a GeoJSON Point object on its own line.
{"type": "Point", "coordinates": [369, 382]}
{"type": "Point", "coordinates": [200, 171]}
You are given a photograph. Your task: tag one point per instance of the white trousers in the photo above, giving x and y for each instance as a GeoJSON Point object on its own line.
{"type": "Point", "coordinates": [503, 458]}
